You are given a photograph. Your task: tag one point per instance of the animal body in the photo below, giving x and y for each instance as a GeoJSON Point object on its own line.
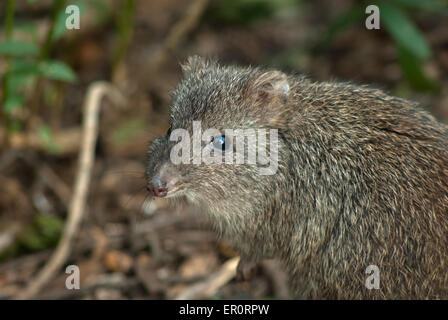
{"type": "Point", "coordinates": [361, 180]}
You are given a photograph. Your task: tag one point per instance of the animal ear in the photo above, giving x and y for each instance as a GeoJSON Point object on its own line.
{"type": "Point", "coordinates": [269, 87]}
{"type": "Point", "coordinates": [194, 64]}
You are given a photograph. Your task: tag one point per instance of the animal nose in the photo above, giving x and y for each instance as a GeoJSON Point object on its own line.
{"type": "Point", "coordinates": [158, 187]}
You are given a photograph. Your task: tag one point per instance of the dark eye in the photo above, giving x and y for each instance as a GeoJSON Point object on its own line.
{"type": "Point", "coordinates": [219, 143]}
{"type": "Point", "coordinates": [168, 132]}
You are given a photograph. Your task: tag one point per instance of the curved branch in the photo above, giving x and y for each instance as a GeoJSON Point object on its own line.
{"type": "Point", "coordinates": [91, 107]}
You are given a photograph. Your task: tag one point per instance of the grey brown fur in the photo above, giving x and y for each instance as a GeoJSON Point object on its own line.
{"type": "Point", "coordinates": [362, 180]}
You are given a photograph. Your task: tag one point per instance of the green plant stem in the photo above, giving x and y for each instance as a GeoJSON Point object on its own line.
{"type": "Point", "coordinates": [9, 27]}
{"type": "Point", "coordinates": [9, 22]}
{"type": "Point", "coordinates": [46, 48]}
{"type": "Point", "coordinates": [44, 55]}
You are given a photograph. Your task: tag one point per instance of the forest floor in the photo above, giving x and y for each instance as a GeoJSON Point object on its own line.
{"type": "Point", "coordinates": [128, 247]}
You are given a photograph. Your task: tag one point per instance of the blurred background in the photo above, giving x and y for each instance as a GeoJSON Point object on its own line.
{"type": "Point", "coordinates": [127, 247]}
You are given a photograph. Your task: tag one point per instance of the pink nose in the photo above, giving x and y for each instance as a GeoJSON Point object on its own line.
{"type": "Point", "coordinates": [158, 187]}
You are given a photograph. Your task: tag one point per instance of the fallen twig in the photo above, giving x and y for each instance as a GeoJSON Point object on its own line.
{"type": "Point", "coordinates": [211, 285]}
{"type": "Point", "coordinates": [67, 141]}
{"type": "Point", "coordinates": [77, 205]}
{"type": "Point", "coordinates": [111, 283]}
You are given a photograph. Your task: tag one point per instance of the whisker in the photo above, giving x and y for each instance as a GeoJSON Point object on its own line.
{"type": "Point", "coordinates": [133, 174]}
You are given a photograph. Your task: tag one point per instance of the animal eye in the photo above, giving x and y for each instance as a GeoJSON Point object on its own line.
{"type": "Point", "coordinates": [219, 143]}
{"type": "Point", "coordinates": [168, 132]}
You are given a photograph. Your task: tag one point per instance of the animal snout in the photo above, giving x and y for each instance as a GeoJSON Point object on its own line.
{"type": "Point", "coordinates": [164, 182]}
{"type": "Point", "coordinates": [158, 187]}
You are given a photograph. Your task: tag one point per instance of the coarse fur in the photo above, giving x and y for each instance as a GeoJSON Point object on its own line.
{"type": "Point", "coordinates": [362, 180]}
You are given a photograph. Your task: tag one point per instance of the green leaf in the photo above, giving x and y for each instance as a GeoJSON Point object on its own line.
{"type": "Point", "coordinates": [51, 69]}
{"type": "Point", "coordinates": [44, 232]}
{"type": "Point", "coordinates": [414, 73]}
{"type": "Point", "coordinates": [50, 227]}
{"type": "Point", "coordinates": [25, 68]}
{"type": "Point", "coordinates": [16, 83]}
{"type": "Point", "coordinates": [60, 29]}
{"type": "Point", "coordinates": [46, 137]}
{"type": "Point", "coordinates": [18, 48]}
{"type": "Point", "coordinates": [13, 101]}
{"type": "Point", "coordinates": [404, 32]}
{"type": "Point", "coordinates": [57, 70]}
{"type": "Point", "coordinates": [21, 74]}
{"type": "Point", "coordinates": [429, 5]}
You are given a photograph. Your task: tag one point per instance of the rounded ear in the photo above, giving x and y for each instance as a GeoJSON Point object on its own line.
{"type": "Point", "coordinates": [270, 86]}
{"type": "Point", "coordinates": [194, 64]}
{"type": "Point", "coordinates": [269, 91]}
